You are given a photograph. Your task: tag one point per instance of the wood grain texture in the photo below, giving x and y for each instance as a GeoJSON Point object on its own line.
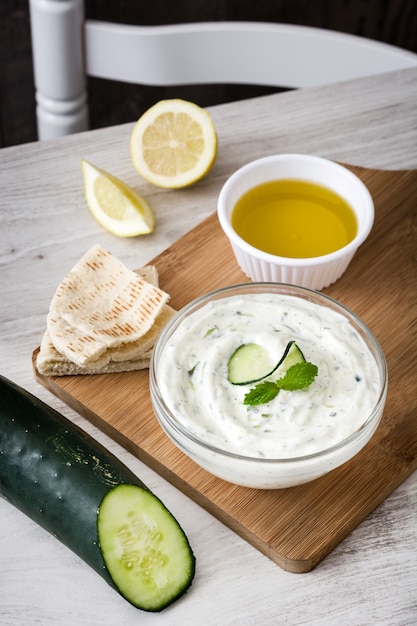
{"type": "Point", "coordinates": [295, 527]}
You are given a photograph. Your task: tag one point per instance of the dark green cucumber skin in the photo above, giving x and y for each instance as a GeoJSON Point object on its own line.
{"type": "Point", "coordinates": [56, 473]}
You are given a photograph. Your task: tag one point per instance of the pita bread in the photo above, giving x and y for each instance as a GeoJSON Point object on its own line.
{"type": "Point", "coordinates": [126, 356]}
{"type": "Point", "coordinates": [101, 305]}
{"type": "Point", "coordinates": [50, 362]}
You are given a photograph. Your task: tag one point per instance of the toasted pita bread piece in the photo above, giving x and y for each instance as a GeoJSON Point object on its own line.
{"type": "Point", "coordinates": [125, 357]}
{"type": "Point", "coordinates": [50, 362]}
{"type": "Point", "coordinates": [101, 305]}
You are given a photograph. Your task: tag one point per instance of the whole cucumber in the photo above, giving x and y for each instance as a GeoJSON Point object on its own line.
{"type": "Point", "coordinates": [82, 494]}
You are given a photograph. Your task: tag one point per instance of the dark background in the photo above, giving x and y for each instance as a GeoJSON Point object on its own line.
{"type": "Point", "coordinates": [391, 21]}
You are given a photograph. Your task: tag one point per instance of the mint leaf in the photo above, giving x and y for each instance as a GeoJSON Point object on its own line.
{"type": "Point", "coordinates": [262, 393]}
{"type": "Point", "coordinates": [298, 376]}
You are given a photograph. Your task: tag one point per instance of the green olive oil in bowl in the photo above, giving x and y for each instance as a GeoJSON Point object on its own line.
{"type": "Point", "coordinates": [294, 219]}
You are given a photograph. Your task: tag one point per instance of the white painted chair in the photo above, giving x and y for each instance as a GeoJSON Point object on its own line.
{"type": "Point", "coordinates": [67, 48]}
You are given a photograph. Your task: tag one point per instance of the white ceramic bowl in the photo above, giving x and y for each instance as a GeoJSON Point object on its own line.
{"type": "Point", "coordinates": [263, 473]}
{"type": "Point", "coordinates": [314, 273]}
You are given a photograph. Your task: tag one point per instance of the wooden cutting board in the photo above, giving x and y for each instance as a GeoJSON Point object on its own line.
{"type": "Point", "coordinates": [299, 526]}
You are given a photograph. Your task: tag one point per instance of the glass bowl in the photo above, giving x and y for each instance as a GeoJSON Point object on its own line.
{"type": "Point", "coordinates": [231, 460]}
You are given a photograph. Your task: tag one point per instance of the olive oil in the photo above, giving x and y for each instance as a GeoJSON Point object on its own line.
{"type": "Point", "coordinates": [294, 218]}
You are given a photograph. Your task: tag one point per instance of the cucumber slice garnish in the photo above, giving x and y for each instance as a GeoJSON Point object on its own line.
{"type": "Point", "coordinates": [292, 372]}
{"type": "Point", "coordinates": [292, 355]}
{"type": "Point", "coordinates": [251, 363]}
{"type": "Point", "coordinates": [144, 548]}
{"type": "Point", "coordinates": [248, 364]}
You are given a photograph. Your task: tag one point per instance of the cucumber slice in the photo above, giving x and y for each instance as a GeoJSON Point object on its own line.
{"type": "Point", "coordinates": [144, 548]}
{"type": "Point", "coordinates": [292, 355]}
{"type": "Point", "coordinates": [71, 485]}
{"type": "Point", "coordinates": [248, 364]}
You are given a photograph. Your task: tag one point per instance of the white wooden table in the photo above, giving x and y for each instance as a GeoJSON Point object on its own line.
{"type": "Point", "coordinates": [45, 227]}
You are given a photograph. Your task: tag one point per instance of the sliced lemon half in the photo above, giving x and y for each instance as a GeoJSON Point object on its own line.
{"type": "Point", "coordinates": [115, 205]}
{"type": "Point", "coordinates": [174, 144]}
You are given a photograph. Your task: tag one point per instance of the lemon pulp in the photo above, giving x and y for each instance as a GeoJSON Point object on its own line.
{"type": "Point", "coordinates": [115, 205]}
{"type": "Point", "coordinates": [174, 143]}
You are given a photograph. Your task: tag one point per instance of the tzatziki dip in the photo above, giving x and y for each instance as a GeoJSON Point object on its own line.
{"type": "Point", "coordinates": [193, 376]}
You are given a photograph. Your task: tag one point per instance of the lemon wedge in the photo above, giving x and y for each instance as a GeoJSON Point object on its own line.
{"type": "Point", "coordinates": [116, 207]}
{"type": "Point", "coordinates": [174, 144]}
